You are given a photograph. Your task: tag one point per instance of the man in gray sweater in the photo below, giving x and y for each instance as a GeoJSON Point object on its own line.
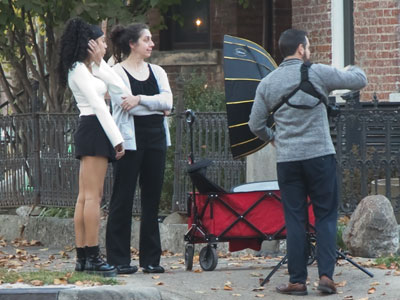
{"type": "Point", "coordinates": [306, 164]}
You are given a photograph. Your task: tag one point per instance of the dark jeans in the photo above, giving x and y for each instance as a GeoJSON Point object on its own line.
{"type": "Point", "coordinates": [315, 178]}
{"type": "Point", "coordinates": [147, 163]}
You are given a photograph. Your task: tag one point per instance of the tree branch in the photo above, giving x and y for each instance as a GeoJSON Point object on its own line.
{"type": "Point", "coordinates": [36, 46]}
{"type": "Point", "coordinates": [7, 90]}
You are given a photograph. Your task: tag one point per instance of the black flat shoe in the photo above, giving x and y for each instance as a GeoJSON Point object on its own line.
{"type": "Point", "coordinates": [126, 269]}
{"type": "Point", "coordinates": [153, 269]}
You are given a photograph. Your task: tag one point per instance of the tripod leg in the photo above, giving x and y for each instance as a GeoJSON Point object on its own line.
{"type": "Point", "coordinates": [342, 255]}
{"type": "Point", "coordinates": [283, 261]}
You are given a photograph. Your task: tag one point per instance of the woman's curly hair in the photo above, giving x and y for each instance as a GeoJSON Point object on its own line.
{"type": "Point", "coordinates": [73, 47]}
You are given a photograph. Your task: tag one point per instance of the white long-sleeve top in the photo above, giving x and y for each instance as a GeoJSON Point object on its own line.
{"type": "Point", "coordinates": [89, 91]}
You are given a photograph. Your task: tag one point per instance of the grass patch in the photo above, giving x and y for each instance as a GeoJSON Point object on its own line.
{"type": "Point", "coordinates": [45, 277]}
{"type": "Point", "coordinates": [341, 226]}
{"type": "Point", "coordinates": [58, 212]}
{"type": "Point", "coordinates": [392, 261]}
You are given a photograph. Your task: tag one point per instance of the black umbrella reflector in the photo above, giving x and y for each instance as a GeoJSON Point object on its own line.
{"type": "Point", "coordinates": [245, 64]}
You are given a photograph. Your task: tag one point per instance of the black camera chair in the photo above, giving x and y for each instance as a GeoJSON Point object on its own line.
{"type": "Point", "coordinates": [197, 173]}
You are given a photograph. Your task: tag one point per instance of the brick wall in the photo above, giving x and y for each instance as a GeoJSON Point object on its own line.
{"type": "Point", "coordinates": [314, 16]}
{"type": "Point", "coordinates": [282, 20]}
{"type": "Point", "coordinates": [223, 16]}
{"type": "Point", "coordinates": [250, 22]}
{"type": "Point", "coordinates": [376, 39]}
{"type": "Point", "coordinates": [377, 45]}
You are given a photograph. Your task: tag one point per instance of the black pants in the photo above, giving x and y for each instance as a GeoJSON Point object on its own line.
{"type": "Point", "coordinates": [147, 162]}
{"type": "Point", "coordinates": [315, 178]}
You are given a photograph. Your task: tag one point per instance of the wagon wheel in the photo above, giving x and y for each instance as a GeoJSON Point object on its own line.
{"type": "Point", "coordinates": [189, 252]}
{"type": "Point", "coordinates": [208, 258]}
{"type": "Point", "coordinates": [311, 254]}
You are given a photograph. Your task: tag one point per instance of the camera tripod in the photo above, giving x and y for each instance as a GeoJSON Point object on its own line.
{"type": "Point", "coordinates": [311, 256]}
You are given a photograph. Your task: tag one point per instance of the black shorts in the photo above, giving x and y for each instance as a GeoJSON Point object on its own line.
{"type": "Point", "coordinates": [91, 140]}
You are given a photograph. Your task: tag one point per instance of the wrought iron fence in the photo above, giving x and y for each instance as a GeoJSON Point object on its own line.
{"type": "Point", "coordinates": [211, 141]}
{"type": "Point", "coordinates": [367, 140]}
{"type": "Point", "coordinates": [37, 161]}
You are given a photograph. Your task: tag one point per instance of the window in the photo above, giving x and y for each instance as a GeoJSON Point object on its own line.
{"type": "Point", "coordinates": [195, 31]}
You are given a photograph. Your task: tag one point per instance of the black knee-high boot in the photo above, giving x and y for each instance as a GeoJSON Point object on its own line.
{"type": "Point", "coordinates": [80, 259]}
{"type": "Point", "coordinates": [96, 265]}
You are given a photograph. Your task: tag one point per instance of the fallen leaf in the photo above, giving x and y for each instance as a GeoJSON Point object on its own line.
{"type": "Point", "coordinates": [366, 298]}
{"type": "Point", "coordinates": [236, 295]}
{"type": "Point", "coordinates": [160, 283]}
{"type": "Point", "coordinates": [214, 289]}
{"type": "Point", "coordinates": [155, 276]}
{"type": "Point", "coordinates": [44, 249]}
{"type": "Point", "coordinates": [261, 288]}
{"type": "Point", "coordinates": [199, 292]}
{"type": "Point", "coordinates": [375, 283]}
{"type": "Point", "coordinates": [37, 282]}
{"type": "Point", "coordinates": [79, 283]}
{"type": "Point", "coordinates": [20, 251]}
{"type": "Point", "coordinates": [372, 290]}
{"type": "Point", "coordinates": [64, 254]}
{"type": "Point", "coordinates": [396, 273]}
{"type": "Point", "coordinates": [256, 275]}
{"type": "Point", "coordinates": [69, 248]}
{"type": "Point", "coordinates": [58, 281]}
{"type": "Point", "coordinates": [348, 297]}
{"type": "Point", "coordinates": [228, 288]}
{"type": "Point", "coordinates": [260, 296]}
{"type": "Point", "coordinates": [175, 267]}
{"type": "Point", "coordinates": [341, 283]}
{"type": "Point", "coordinates": [198, 271]}
{"type": "Point", "coordinates": [382, 266]}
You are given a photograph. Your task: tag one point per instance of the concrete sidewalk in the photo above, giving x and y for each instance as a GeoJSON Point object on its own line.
{"type": "Point", "coordinates": [234, 277]}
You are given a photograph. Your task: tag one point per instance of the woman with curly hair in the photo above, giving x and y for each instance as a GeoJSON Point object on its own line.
{"type": "Point", "coordinates": [97, 139]}
{"type": "Point", "coordinates": [146, 135]}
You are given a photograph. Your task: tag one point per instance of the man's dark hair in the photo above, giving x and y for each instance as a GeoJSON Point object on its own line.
{"type": "Point", "coordinates": [291, 39]}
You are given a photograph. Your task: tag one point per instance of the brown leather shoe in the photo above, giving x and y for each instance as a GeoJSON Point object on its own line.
{"type": "Point", "coordinates": [326, 285]}
{"type": "Point", "coordinates": [292, 289]}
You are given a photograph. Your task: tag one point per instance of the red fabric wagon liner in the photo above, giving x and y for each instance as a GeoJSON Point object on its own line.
{"type": "Point", "coordinates": [254, 215]}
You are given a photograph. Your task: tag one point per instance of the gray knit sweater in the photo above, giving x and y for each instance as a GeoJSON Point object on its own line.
{"type": "Point", "coordinates": [300, 134]}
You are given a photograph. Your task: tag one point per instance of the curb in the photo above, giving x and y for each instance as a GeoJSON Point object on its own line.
{"type": "Point", "coordinates": [111, 293]}
{"type": "Point", "coordinates": [98, 293]}
{"type": "Point", "coordinates": [41, 293]}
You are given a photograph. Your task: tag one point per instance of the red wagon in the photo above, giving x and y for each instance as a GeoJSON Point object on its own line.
{"type": "Point", "coordinates": [245, 217]}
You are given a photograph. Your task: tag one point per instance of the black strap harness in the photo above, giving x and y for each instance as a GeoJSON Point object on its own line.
{"type": "Point", "coordinates": [307, 87]}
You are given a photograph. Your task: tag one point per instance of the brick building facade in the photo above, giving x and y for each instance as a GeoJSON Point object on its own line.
{"type": "Point", "coordinates": [373, 37]}
{"type": "Point", "coordinates": [376, 39]}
